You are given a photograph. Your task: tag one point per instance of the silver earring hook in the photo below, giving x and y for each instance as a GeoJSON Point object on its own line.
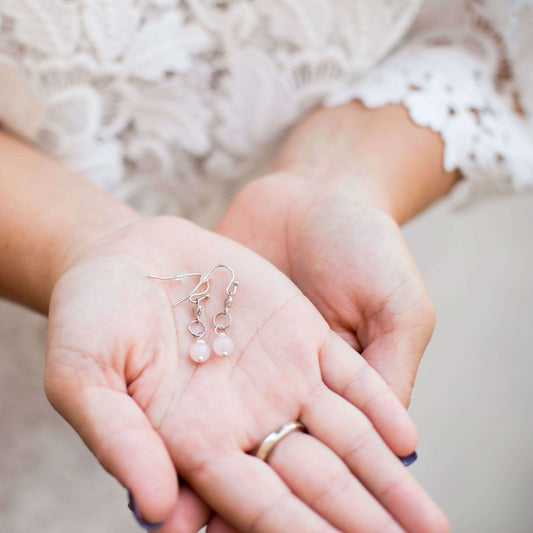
{"type": "Point", "coordinates": [178, 277]}
{"type": "Point", "coordinates": [231, 288]}
{"type": "Point", "coordinates": [195, 295]}
{"type": "Point", "coordinates": [222, 345]}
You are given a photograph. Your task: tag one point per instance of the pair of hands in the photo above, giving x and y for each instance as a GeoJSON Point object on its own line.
{"type": "Point", "coordinates": [118, 368]}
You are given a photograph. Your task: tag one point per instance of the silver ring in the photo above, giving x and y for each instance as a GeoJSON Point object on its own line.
{"type": "Point", "coordinates": [266, 447]}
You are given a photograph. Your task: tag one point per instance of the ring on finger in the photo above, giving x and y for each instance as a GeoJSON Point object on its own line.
{"type": "Point", "coordinates": [272, 439]}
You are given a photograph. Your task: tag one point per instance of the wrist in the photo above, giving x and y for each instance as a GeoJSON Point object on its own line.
{"type": "Point", "coordinates": [50, 214]}
{"type": "Point", "coordinates": [104, 221]}
{"type": "Point", "coordinates": [377, 156]}
{"type": "Point", "coordinates": [312, 182]}
{"type": "Point", "coordinates": [125, 236]}
{"type": "Point", "coordinates": [268, 213]}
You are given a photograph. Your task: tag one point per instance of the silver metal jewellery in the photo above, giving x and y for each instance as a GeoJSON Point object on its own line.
{"type": "Point", "coordinates": [222, 345]}
{"type": "Point", "coordinates": [272, 439]}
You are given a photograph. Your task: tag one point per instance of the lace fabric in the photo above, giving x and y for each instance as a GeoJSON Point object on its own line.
{"type": "Point", "coordinates": [463, 74]}
{"type": "Point", "coordinates": [166, 102]}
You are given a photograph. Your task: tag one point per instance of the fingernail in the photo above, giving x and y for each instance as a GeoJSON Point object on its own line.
{"type": "Point", "coordinates": [133, 508]}
{"type": "Point", "coordinates": [409, 459]}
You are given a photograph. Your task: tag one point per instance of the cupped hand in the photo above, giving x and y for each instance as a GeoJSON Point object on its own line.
{"type": "Point", "coordinates": [118, 369]}
{"type": "Point", "coordinates": [349, 258]}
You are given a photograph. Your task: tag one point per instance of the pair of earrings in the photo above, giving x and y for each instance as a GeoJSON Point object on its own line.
{"type": "Point", "coordinates": [222, 345]}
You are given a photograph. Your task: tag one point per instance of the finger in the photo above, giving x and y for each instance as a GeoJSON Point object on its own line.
{"type": "Point", "coordinates": [396, 359]}
{"type": "Point", "coordinates": [117, 431]}
{"type": "Point", "coordinates": [189, 515]}
{"type": "Point", "coordinates": [345, 372]}
{"type": "Point", "coordinates": [398, 343]}
{"type": "Point", "coordinates": [252, 497]}
{"type": "Point", "coordinates": [352, 437]}
{"type": "Point", "coordinates": [329, 487]}
{"type": "Point", "coordinates": [218, 525]}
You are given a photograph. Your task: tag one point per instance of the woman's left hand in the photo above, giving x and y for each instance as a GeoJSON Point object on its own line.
{"type": "Point", "coordinates": [350, 259]}
{"type": "Point", "coordinates": [328, 217]}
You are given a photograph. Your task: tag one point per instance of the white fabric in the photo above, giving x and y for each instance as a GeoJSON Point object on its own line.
{"type": "Point", "coordinates": [466, 73]}
{"type": "Point", "coordinates": [163, 102]}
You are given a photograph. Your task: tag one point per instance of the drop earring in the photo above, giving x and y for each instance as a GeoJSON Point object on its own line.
{"type": "Point", "coordinates": [200, 350]}
{"type": "Point", "coordinates": [223, 344]}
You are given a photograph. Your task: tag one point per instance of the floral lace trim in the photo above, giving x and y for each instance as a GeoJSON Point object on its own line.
{"type": "Point", "coordinates": [160, 101]}
{"type": "Point", "coordinates": [461, 86]}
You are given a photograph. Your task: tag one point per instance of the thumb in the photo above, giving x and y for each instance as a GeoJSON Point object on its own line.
{"type": "Point", "coordinates": [119, 434]}
{"type": "Point", "coordinates": [396, 353]}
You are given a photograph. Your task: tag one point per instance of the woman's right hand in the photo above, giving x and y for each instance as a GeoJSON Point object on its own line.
{"type": "Point", "coordinates": [118, 370]}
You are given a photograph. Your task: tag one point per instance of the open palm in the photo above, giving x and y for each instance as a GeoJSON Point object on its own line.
{"type": "Point", "coordinates": [349, 259]}
{"type": "Point", "coordinates": [118, 370]}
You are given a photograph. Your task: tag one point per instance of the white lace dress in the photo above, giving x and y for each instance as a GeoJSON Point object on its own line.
{"type": "Point", "coordinates": [167, 103]}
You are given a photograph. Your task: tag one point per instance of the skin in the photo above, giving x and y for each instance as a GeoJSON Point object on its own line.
{"type": "Point", "coordinates": [328, 214]}
{"type": "Point", "coordinates": [128, 386]}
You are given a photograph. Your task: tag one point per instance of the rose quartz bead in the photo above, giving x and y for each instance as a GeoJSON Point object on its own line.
{"type": "Point", "coordinates": [200, 351]}
{"type": "Point", "coordinates": [223, 345]}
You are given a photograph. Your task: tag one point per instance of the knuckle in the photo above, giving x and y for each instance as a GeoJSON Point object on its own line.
{"type": "Point", "coordinates": [384, 394]}
{"type": "Point", "coordinates": [366, 437]}
{"type": "Point", "coordinates": [337, 483]}
{"type": "Point", "coordinates": [353, 379]}
{"type": "Point", "coordinates": [198, 459]}
{"type": "Point", "coordinates": [396, 485]}
{"type": "Point", "coordinates": [316, 394]}
{"type": "Point", "coordinates": [199, 469]}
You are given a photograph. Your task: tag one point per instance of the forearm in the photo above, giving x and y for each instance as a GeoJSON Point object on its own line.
{"type": "Point", "coordinates": [46, 212]}
{"type": "Point", "coordinates": [379, 154]}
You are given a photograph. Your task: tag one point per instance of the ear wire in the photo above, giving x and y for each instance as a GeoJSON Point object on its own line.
{"type": "Point", "coordinates": [222, 345]}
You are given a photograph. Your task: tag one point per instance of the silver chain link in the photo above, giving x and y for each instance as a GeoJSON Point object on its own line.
{"type": "Point", "coordinates": [197, 311]}
{"type": "Point", "coordinates": [222, 324]}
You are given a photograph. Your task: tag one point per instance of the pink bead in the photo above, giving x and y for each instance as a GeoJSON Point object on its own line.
{"type": "Point", "coordinates": [223, 345]}
{"type": "Point", "coordinates": [200, 351]}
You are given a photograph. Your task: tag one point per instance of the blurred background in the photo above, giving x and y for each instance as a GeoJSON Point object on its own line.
{"type": "Point", "coordinates": [473, 400]}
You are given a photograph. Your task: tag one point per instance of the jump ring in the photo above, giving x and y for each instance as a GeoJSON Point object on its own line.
{"type": "Point", "coordinates": [222, 327]}
{"type": "Point", "coordinates": [197, 334]}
